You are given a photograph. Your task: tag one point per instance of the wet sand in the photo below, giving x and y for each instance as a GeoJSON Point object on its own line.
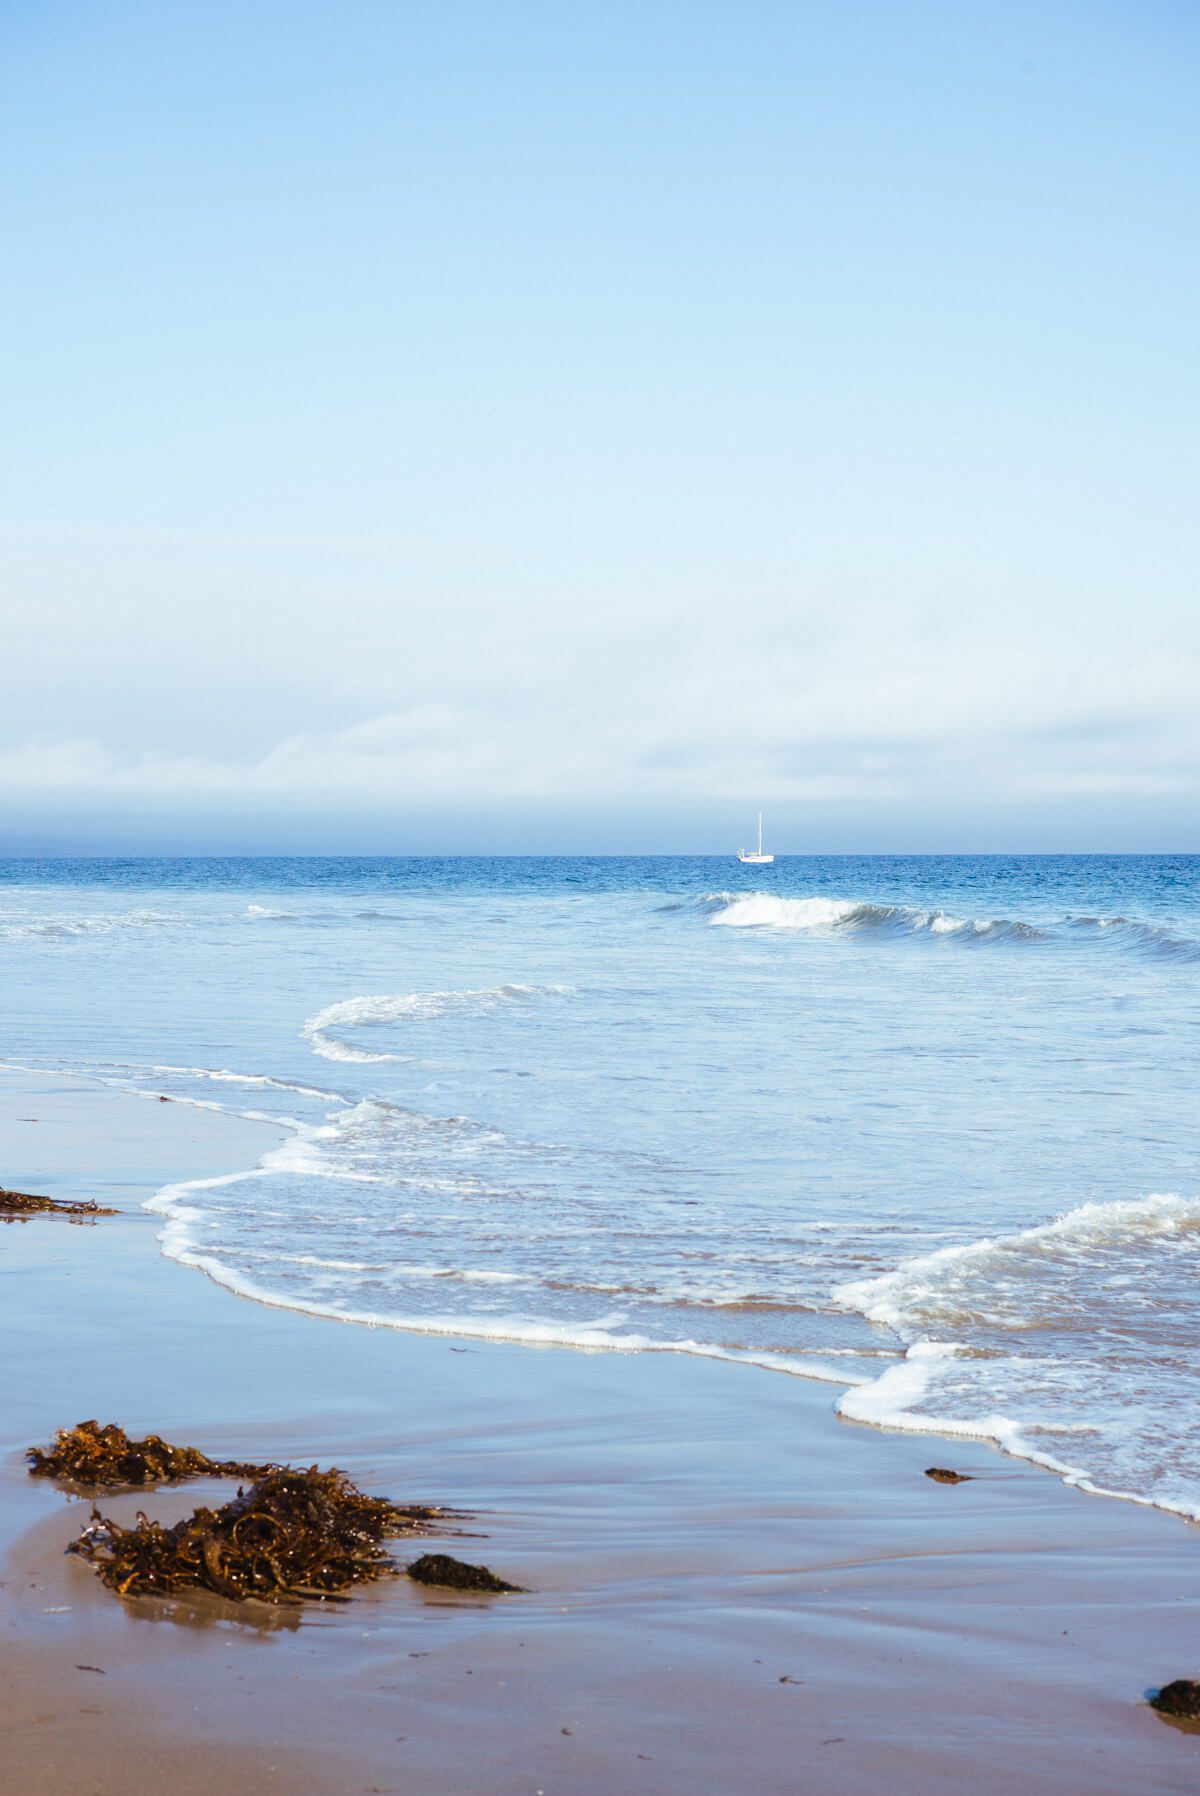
{"type": "Point", "coordinates": [730, 1590]}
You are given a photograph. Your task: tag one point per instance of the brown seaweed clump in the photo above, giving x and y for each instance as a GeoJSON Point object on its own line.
{"type": "Point", "coordinates": [291, 1535]}
{"type": "Point", "coordinates": [455, 1574]}
{"type": "Point", "coordinates": [1180, 1698]}
{"type": "Point", "coordinates": [105, 1456]}
{"type": "Point", "coordinates": [20, 1203]}
{"type": "Point", "coordinates": [942, 1475]}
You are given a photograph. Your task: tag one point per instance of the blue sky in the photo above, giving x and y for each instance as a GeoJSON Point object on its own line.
{"type": "Point", "coordinates": [511, 426]}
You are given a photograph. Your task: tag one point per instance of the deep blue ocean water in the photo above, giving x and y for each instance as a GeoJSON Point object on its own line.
{"type": "Point", "coordinates": [923, 1127]}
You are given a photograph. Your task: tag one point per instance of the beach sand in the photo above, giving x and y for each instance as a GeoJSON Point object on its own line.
{"type": "Point", "coordinates": [729, 1589]}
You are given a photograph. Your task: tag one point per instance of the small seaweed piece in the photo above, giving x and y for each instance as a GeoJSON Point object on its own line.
{"type": "Point", "coordinates": [105, 1456]}
{"type": "Point", "coordinates": [942, 1475]}
{"type": "Point", "coordinates": [1180, 1697]}
{"type": "Point", "coordinates": [21, 1203]}
{"type": "Point", "coordinates": [291, 1535]}
{"type": "Point", "coordinates": [455, 1574]}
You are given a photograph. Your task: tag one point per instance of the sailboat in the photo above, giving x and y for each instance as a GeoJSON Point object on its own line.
{"type": "Point", "coordinates": [750, 858]}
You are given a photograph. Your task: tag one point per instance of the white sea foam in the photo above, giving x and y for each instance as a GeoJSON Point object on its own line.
{"type": "Point", "coordinates": [223, 1076]}
{"type": "Point", "coordinates": [324, 1265]}
{"type": "Point", "coordinates": [403, 1007]}
{"type": "Point", "coordinates": [180, 1241]}
{"type": "Point", "coordinates": [396, 1271]}
{"type": "Point", "coordinates": [890, 1402]}
{"type": "Point", "coordinates": [305, 1154]}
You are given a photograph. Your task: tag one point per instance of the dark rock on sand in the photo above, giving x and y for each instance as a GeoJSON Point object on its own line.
{"type": "Point", "coordinates": [1180, 1698]}
{"type": "Point", "coordinates": [455, 1574]}
{"type": "Point", "coordinates": [942, 1475]}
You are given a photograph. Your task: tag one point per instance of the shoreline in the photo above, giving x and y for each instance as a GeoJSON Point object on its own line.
{"type": "Point", "coordinates": [726, 1583]}
{"type": "Point", "coordinates": [864, 1399]}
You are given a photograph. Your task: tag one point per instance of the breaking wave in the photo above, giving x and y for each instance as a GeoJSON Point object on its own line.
{"type": "Point", "coordinates": [1011, 1337]}
{"type": "Point", "coordinates": [766, 910]}
{"type": "Point", "coordinates": [763, 910]}
{"type": "Point", "coordinates": [996, 1278]}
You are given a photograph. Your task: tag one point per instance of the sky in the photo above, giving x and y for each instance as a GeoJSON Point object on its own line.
{"type": "Point", "coordinates": [495, 427]}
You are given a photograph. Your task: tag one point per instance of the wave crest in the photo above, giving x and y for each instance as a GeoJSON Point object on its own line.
{"type": "Point", "coordinates": [376, 1012]}
{"type": "Point", "coordinates": [995, 1279]}
{"type": "Point", "coordinates": [1090, 1310]}
{"type": "Point", "coordinates": [767, 910]}
{"type": "Point", "coordinates": [1152, 938]}
{"type": "Point", "coordinates": [763, 910]}
{"type": "Point", "coordinates": [69, 927]}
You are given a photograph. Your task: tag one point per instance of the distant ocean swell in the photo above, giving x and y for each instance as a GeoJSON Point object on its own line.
{"type": "Point", "coordinates": [757, 910]}
{"type": "Point", "coordinates": [76, 926]}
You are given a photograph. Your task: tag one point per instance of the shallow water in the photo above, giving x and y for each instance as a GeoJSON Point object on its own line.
{"type": "Point", "coordinates": [923, 1127]}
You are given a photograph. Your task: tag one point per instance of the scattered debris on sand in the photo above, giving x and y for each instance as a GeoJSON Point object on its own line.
{"type": "Point", "coordinates": [455, 1574]}
{"type": "Point", "coordinates": [104, 1457]}
{"type": "Point", "coordinates": [291, 1535]}
{"type": "Point", "coordinates": [20, 1203]}
{"type": "Point", "coordinates": [1180, 1698]}
{"type": "Point", "coordinates": [942, 1475]}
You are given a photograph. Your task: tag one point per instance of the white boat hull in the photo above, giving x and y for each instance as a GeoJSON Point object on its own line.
{"type": "Point", "coordinates": [751, 857]}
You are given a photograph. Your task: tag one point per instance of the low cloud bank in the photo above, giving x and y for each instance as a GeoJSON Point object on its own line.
{"type": "Point", "coordinates": [914, 736]}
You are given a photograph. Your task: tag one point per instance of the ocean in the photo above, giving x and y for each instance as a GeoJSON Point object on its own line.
{"type": "Point", "coordinates": [922, 1128]}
